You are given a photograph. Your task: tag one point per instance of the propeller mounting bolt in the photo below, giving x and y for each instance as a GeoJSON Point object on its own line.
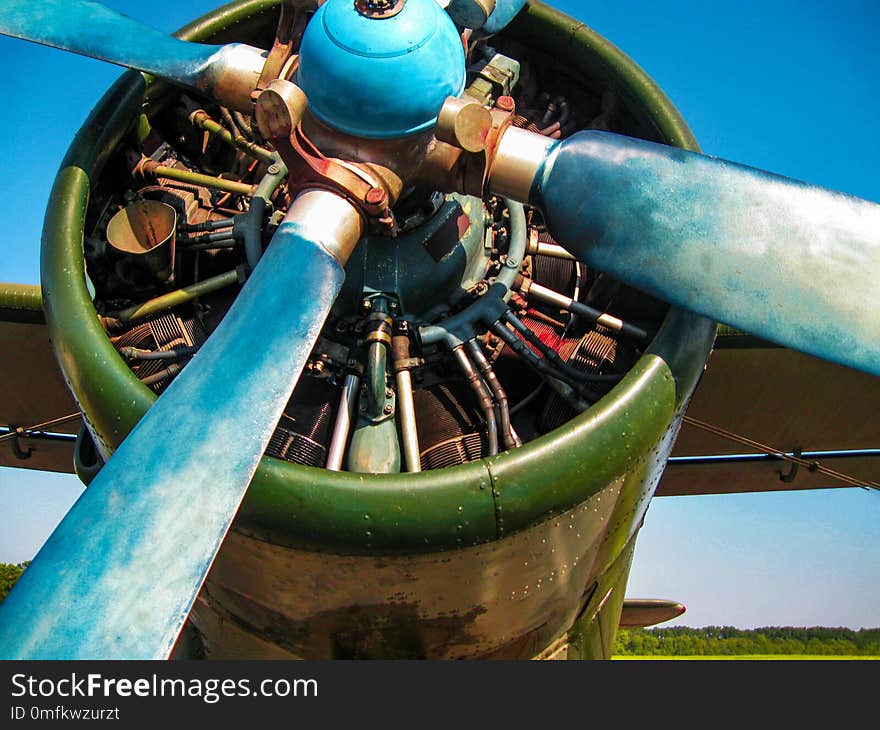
{"type": "Point", "coordinates": [505, 103]}
{"type": "Point", "coordinates": [378, 9]}
{"type": "Point", "coordinates": [376, 196]}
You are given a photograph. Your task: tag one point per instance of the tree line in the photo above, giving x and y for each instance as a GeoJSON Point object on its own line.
{"type": "Point", "coordinates": [728, 640]}
{"type": "Point", "coordinates": [9, 573]}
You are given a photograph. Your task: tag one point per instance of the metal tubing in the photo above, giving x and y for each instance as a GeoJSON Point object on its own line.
{"type": "Point", "coordinates": [168, 372]}
{"type": "Point", "coordinates": [560, 381]}
{"type": "Point", "coordinates": [566, 371]}
{"type": "Point", "coordinates": [540, 248]}
{"type": "Point", "coordinates": [228, 243]}
{"type": "Point", "coordinates": [135, 353]}
{"type": "Point", "coordinates": [179, 296]}
{"type": "Point", "coordinates": [483, 397]}
{"type": "Point", "coordinates": [378, 337]}
{"type": "Point", "coordinates": [542, 293]}
{"type": "Point", "coordinates": [202, 120]}
{"type": "Point", "coordinates": [511, 440]}
{"type": "Point", "coordinates": [402, 362]}
{"type": "Point", "coordinates": [516, 249]}
{"type": "Point", "coordinates": [217, 237]}
{"type": "Point", "coordinates": [489, 307]}
{"type": "Point", "coordinates": [253, 222]}
{"type": "Point", "coordinates": [212, 225]}
{"type": "Point", "coordinates": [7, 434]}
{"type": "Point", "coordinates": [375, 378]}
{"type": "Point", "coordinates": [407, 412]}
{"type": "Point", "coordinates": [39, 427]}
{"type": "Point", "coordinates": [344, 418]}
{"type": "Point", "coordinates": [154, 169]}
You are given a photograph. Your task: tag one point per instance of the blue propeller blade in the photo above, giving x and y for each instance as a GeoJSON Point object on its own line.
{"type": "Point", "coordinates": [118, 576]}
{"type": "Point", "coordinates": [505, 11]}
{"type": "Point", "coordinates": [92, 29]}
{"type": "Point", "coordinates": [781, 259]}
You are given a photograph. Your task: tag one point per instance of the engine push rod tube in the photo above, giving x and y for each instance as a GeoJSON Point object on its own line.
{"type": "Point", "coordinates": [344, 417]}
{"type": "Point", "coordinates": [179, 296]}
{"type": "Point", "coordinates": [567, 371]}
{"type": "Point", "coordinates": [202, 120]}
{"type": "Point", "coordinates": [508, 435]}
{"type": "Point", "coordinates": [483, 397]}
{"type": "Point", "coordinates": [151, 168]}
{"type": "Point", "coordinates": [578, 393]}
{"type": "Point", "coordinates": [554, 250]}
{"type": "Point", "coordinates": [548, 296]}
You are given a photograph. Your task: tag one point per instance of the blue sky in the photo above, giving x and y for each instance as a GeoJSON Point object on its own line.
{"type": "Point", "coordinates": [782, 85]}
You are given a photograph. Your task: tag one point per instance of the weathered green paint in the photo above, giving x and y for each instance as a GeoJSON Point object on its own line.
{"type": "Point", "coordinates": [595, 630]}
{"type": "Point", "coordinates": [504, 599]}
{"type": "Point", "coordinates": [21, 296]}
{"type": "Point", "coordinates": [21, 303]}
{"type": "Point", "coordinates": [106, 390]}
{"type": "Point", "coordinates": [312, 507]}
{"type": "Point", "coordinates": [614, 452]}
{"type": "Point", "coordinates": [607, 444]}
{"type": "Point", "coordinates": [178, 296]}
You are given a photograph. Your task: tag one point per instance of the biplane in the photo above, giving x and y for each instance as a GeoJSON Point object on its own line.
{"type": "Point", "coordinates": [374, 326]}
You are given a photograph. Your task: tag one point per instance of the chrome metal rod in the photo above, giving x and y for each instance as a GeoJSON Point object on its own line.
{"type": "Point", "coordinates": [549, 249]}
{"type": "Point", "coordinates": [407, 412]}
{"type": "Point", "coordinates": [542, 293]}
{"type": "Point", "coordinates": [374, 378]}
{"type": "Point", "coordinates": [344, 417]}
{"type": "Point", "coordinates": [23, 431]}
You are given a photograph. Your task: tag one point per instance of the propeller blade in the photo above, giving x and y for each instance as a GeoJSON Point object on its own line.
{"type": "Point", "coordinates": [118, 576]}
{"type": "Point", "coordinates": [228, 73]}
{"type": "Point", "coordinates": [486, 16]}
{"type": "Point", "coordinates": [505, 11]}
{"type": "Point", "coordinates": [781, 259]}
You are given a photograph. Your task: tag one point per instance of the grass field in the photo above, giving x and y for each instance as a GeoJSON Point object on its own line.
{"type": "Point", "coordinates": [752, 657]}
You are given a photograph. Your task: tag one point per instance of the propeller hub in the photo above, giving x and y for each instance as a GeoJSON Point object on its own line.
{"type": "Point", "coordinates": [378, 72]}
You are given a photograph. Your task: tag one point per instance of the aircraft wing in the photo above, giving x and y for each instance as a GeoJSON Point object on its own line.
{"type": "Point", "coordinates": [769, 394]}
{"type": "Point", "coordinates": [782, 399]}
{"type": "Point", "coordinates": [32, 390]}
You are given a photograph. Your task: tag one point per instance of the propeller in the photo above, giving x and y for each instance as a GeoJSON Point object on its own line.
{"type": "Point", "coordinates": [505, 11]}
{"type": "Point", "coordinates": [781, 259]}
{"type": "Point", "coordinates": [788, 261]}
{"type": "Point", "coordinates": [118, 576]}
{"type": "Point", "coordinates": [227, 73]}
